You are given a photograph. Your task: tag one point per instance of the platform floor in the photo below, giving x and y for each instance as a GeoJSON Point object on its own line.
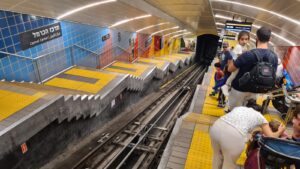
{"type": "Point", "coordinates": [190, 145]}
{"type": "Point", "coordinates": [135, 69]}
{"type": "Point", "coordinates": [159, 64]}
{"type": "Point", "coordinates": [17, 102]}
{"type": "Point", "coordinates": [173, 60]}
{"type": "Point", "coordinates": [82, 80]}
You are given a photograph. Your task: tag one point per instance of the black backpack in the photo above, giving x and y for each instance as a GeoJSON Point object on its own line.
{"type": "Point", "coordinates": [262, 76]}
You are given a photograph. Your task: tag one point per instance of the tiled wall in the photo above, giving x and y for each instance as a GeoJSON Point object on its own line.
{"type": "Point", "coordinates": [58, 51]}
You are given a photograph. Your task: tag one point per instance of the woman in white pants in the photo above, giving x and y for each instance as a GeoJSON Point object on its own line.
{"type": "Point", "coordinates": [229, 135]}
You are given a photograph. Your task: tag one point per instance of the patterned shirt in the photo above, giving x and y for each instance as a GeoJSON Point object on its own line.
{"type": "Point", "coordinates": [244, 119]}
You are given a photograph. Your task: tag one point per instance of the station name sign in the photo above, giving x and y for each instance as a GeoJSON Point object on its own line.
{"type": "Point", "coordinates": [40, 35]}
{"type": "Point", "coordinates": [238, 26]}
{"type": "Point", "coordinates": [105, 37]}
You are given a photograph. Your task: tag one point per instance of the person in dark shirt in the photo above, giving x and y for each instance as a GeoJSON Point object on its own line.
{"type": "Point", "coordinates": [225, 56]}
{"type": "Point", "coordinates": [239, 96]}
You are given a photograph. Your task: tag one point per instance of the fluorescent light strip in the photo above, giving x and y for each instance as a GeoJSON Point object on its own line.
{"type": "Point", "coordinates": [219, 23]}
{"type": "Point", "coordinates": [175, 36]}
{"type": "Point", "coordinates": [174, 32]}
{"type": "Point", "coordinates": [176, 27]}
{"type": "Point", "coordinates": [226, 17]}
{"type": "Point", "coordinates": [151, 26]}
{"type": "Point", "coordinates": [83, 8]}
{"type": "Point", "coordinates": [278, 36]}
{"type": "Point", "coordinates": [128, 20]}
{"type": "Point", "coordinates": [261, 9]}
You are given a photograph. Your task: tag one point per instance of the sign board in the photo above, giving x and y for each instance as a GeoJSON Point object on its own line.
{"type": "Point", "coordinates": [235, 26]}
{"type": "Point", "coordinates": [40, 35]}
{"type": "Point", "coordinates": [105, 37]}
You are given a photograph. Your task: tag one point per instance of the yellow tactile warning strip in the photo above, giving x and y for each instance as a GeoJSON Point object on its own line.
{"type": "Point", "coordinates": [139, 68]}
{"type": "Point", "coordinates": [210, 103]}
{"type": "Point", "coordinates": [11, 102]}
{"type": "Point", "coordinates": [200, 152]}
{"type": "Point", "coordinates": [103, 80]}
{"type": "Point", "coordinates": [157, 63]}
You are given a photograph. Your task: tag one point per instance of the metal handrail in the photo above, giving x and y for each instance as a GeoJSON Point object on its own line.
{"type": "Point", "coordinates": [16, 55]}
{"type": "Point", "coordinates": [25, 57]}
{"type": "Point", "coordinates": [113, 48]}
{"type": "Point", "coordinates": [44, 55]}
{"type": "Point", "coordinates": [86, 49]}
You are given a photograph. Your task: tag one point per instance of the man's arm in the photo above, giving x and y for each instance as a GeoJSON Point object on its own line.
{"type": "Point", "coordinates": [231, 66]}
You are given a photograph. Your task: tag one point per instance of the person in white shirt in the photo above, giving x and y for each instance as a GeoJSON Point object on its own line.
{"type": "Point", "coordinates": [229, 135]}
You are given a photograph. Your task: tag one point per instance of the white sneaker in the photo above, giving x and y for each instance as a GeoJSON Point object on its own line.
{"type": "Point", "coordinates": [225, 90]}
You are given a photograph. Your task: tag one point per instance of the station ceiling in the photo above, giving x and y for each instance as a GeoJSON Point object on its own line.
{"type": "Point", "coordinates": [196, 16]}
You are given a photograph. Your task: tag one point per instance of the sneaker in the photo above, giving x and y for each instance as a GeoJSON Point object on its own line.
{"type": "Point", "coordinates": [212, 94]}
{"type": "Point", "coordinates": [221, 105]}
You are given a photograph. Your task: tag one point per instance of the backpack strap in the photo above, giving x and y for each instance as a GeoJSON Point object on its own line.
{"type": "Point", "coordinates": [256, 55]}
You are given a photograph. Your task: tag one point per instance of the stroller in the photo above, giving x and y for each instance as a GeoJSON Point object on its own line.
{"type": "Point", "coordinates": [284, 101]}
{"type": "Point", "coordinates": [272, 153]}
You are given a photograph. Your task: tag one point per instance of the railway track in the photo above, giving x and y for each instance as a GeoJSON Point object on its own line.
{"type": "Point", "coordinates": [135, 144]}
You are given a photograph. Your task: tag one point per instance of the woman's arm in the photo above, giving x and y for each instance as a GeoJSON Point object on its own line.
{"type": "Point", "coordinates": [268, 132]}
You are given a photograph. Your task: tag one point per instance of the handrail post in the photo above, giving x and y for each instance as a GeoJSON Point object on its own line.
{"type": "Point", "coordinates": [72, 56]}
{"type": "Point", "coordinates": [37, 71]}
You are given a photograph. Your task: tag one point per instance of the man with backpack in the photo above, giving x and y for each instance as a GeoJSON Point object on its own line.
{"type": "Point", "coordinates": [257, 71]}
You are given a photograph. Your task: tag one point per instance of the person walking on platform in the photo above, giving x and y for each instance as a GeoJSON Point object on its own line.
{"type": "Point", "coordinates": [257, 71]}
{"type": "Point", "coordinates": [229, 135]}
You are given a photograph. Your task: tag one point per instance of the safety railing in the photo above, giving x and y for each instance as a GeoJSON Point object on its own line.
{"type": "Point", "coordinates": [40, 68]}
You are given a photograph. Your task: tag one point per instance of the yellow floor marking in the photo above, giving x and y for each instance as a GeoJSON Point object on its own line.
{"type": "Point", "coordinates": [139, 68]}
{"type": "Point", "coordinates": [200, 153]}
{"type": "Point", "coordinates": [103, 80]}
{"type": "Point", "coordinates": [11, 102]}
{"type": "Point", "coordinates": [123, 71]}
{"type": "Point", "coordinates": [76, 85]}
{"type": "Point", "coordinates": [104, 77]}
{"type": "Point", "coordinates": [213, 110]}
{"type": "Point", "coordinates": [158, 64]}
{"type": "Point", "coordinates": [173, 60]}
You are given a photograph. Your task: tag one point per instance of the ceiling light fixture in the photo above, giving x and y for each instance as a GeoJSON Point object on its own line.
{"type": "Point", "coordinates": [219, 23]}
{"type": "Point", "coordinates": [151, 26]}
{"type": "Point", "coordinates": [83, 8]}
{"type": "Point", "coordinates": [128, 20]}
{"type": "Point", "coordinates": [184, 30]}
{"type": "Point", "coordinates": [154, 33]}
{"type": "Point", "coordinates": [175, 36]}
{"type": "Point", "coordinates": [261, 9]}
{"type": "Point", "coordinates": [226, 17]}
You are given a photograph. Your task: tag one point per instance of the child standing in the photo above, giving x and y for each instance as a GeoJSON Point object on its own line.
{"type": "Point", "coordinates": [219, 76]}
